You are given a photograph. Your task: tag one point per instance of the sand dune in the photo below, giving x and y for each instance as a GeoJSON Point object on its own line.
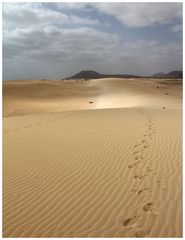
{"type": "Point", "coordinates": [112, 168]}
{"type": "Point", "coordinates": [39, 96]}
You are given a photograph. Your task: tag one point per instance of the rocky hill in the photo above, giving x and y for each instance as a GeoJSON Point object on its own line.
{"type": "Point", "coordinates": [95, 75]}
{"type": "Point", "coordinates": [89, 74]}
{"type": "Point", "coordinates": [173, 74]}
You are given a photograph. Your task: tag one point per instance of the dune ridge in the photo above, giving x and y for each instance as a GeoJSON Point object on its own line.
{"type": "Point", "coordinates": [112, 172]}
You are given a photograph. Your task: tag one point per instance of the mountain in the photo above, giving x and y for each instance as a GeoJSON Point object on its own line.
{"type": "Point", "coordinates": [89, 74]}
{"type": "Point", "coordinates": [86, 75]}
{"type": "Point", "coordinates": [173, 74]}
{"type": "Point", "coordinates": [160, 74]}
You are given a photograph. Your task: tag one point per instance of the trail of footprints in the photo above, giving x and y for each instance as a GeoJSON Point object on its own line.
{"type": "Point", "coordinates": [147, 207]}
{"type": "Point", "coordinates": [138, 156]}
{"type": "Point", "coordinates": [38, 123]}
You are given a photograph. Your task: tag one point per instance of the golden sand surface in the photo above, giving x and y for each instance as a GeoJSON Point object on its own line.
{"type": "Point", "coordinates": [110, 168]}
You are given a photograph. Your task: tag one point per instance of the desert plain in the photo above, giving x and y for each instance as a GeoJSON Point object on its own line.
{"type": "Point", "coordinates": [97, 158]}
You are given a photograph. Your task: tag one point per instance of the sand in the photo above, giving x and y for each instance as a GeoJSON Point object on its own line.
{"type": "Point", "coordinates": [111, 168]}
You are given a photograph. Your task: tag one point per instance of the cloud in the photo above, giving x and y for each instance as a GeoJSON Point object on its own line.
{"type": "Point", "coordinates": [40, 41]}
{"type": "Point", "coordinates": [176, 28]}
{"type": "Point", "coordinates": [20, 15]}
{"type": "Point", "coordinates": [53, 39]}
{"type": "Point", "coordinates": [75, 6]}
{"type": "Point", "coordinates": [147, 57]}
{"type": "Point", "coordinates": [142, 14]}
{"type": "Point", "coordinates": [60, 52]}
{"type": "Point", "coordinates": [53, 45]}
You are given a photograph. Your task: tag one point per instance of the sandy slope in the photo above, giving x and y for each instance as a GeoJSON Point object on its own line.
{"type": "Point", "coordinates": [112, 172]}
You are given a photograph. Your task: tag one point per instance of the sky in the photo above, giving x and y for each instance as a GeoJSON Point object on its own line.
{"type": "Point", "coordinates": [57, 40]}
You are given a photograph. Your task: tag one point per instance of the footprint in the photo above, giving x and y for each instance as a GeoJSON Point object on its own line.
{"type": "Point", "coordinates": [133, 164]}
{"type": "Point", "coordinates": [139, 176]}
{"type": "Point", "coordinates": [149, 169]}
{"type": "Point", "coordinates": [142, 232]}
{"type": "Point", "coordinates": [136, 145]}
{"type": "Point", "coordinates": [134, 189]}
{"type": "Point", "coordinates": [148, 207]}
{"type": "Point", "coordinates": [142, 177]}
{"type": "Point", "coordinates": [142, 190]}
{"type": "Point", "coordinates": [130, 221]}
{"type": "Point", "coordinates": [135, 152]}
{"type": "Point", "coordinates": [138, 157]}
